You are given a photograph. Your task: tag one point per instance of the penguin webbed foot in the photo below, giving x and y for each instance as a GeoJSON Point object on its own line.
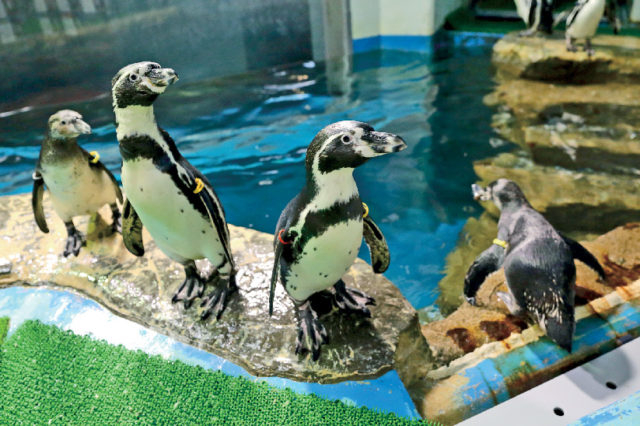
{"type": "Point", "coordinates": [75, 241]}
{"type": "Point", "coordinates": [191, 288]}
{"type": "Point", "coordinates": [216, 301]}
{"type": "Point", "coordinates": [311, 332]}
{"type": "Point", "coordinates": [351, 300]}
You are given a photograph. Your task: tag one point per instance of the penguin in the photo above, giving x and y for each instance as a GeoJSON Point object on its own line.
{"type": "Point", "coordinates": [582, 23]}
{"type": "Point", "coordinates": [538, 263]}
{"type": "Point", "coordinates": [319, 233]}
{"type": "Point", "coordinates": [78, 183]}
{"type": "Point", "coordinates": [166, 194]}
{"type": "Point", "coordinates": [537, 15]}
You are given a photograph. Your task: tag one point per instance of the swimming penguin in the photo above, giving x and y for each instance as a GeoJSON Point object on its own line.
{"type": "Point", "coordinates": [320, 231]}
{"type": "Point", "coordinates": [537, 15]}
{"type": "Point", "coordinates": [583, 22]}
{"type": "Point", "coordinates": [538, 263]}
{"type": "Point", "coordinates": [165, 193]}
{"type": "Point", "coordinates": [78, 183]}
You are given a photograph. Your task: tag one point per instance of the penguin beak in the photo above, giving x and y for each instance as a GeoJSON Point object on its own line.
{"type": "Point", "coordinates": [480, 193]}
{"type": "Point", "coordinates": [82, 127]}
{"type": "Point", "coordinates": [380, 143]}
{"type": "Point", "coordinates": [162, 77]}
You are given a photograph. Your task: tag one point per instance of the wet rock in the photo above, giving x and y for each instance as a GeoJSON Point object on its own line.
{"type": "Point", "coordinates": [547, 59]}
{"type": "Point", "coordinates": [571, 201]}
{"type": "Point", "coordinates": [577, 127]}
{"type": "Point", "coordinates": [140, 289]}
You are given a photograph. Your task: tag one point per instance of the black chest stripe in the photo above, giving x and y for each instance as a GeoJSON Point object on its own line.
{"type": "Point", "coordinates": [145, 147]}
{"type": "Point", "coordinates": [317, 222]}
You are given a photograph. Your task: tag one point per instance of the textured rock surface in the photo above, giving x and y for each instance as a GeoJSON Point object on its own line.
{"type": "Point", "coordinates": [538, 58]}
{"type": "Point", "coordinates": [469, 327]}
{"type": "Point", "coordinates": [571, 201]}
{"type": "Point", "coordinates": [575, 127]}
{"type": "Point", "coordinates": [140, 289]}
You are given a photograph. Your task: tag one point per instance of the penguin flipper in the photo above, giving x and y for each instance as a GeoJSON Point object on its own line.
{"type": "Point", "coordinates": [94, 163]}
{"type": "Point", "coordinates": [489, 261]}
{"type": "Point", "coordinates": [377, 244]}
{"type": "Point", "coordinates": [583, 255]}
{"type": "Point", "coordinates": [36, 202]}
{"type": "Point", "coordinates": [132, 230]}
{"type": "Point", "coordinates": [274, 276]}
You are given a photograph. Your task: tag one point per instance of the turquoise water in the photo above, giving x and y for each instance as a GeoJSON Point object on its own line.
{"type": "Point", "coordinates": [248, 134]}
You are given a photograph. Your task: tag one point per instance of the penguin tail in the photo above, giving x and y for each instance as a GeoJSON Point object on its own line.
{"type": "Point", "coordinates": [560, 330]}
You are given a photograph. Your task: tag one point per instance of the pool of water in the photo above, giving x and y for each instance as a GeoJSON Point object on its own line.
{"type": "Point", "coordinates": [248, 134]}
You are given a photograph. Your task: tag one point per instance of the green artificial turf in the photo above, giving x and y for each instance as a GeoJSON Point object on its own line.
{"type": "Point", "coordinates": [51, 376]}
{"type": "Point", "coordinates": [4, 328]}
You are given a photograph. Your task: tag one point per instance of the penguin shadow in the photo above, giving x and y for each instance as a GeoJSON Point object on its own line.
{"type": "Point", "coordinates": [598, 378]}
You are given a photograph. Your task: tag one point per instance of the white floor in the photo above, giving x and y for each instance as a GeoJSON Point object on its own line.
{"type": "Point", "coordinates": [573, 395]}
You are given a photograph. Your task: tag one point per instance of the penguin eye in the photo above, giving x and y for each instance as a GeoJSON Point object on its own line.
{"type": "Point", "coordinates": [133, 77]}
{"type": "Point", "coordinates": [347, 139]}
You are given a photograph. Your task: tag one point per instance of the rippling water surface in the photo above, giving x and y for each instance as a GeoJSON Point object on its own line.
{"type": "Point", "coordinates": [248, 134]}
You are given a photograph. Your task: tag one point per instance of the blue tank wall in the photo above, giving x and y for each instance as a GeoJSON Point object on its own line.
{"type": "Point", "coordinates": [71, 48]}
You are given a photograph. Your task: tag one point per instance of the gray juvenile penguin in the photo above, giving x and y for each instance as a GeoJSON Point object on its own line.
{"type": "Point", "coordinates": [78, 183]}
{"type": "Point", "coordinates": [165, 193]}
{"type": "Point", "coordinates": [320, 231]}
{"type": "Point", "coordinates": [538, 263]}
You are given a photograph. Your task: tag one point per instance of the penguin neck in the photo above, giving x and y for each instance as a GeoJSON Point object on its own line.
{"type": "Point", "coordinates": [135, 120]}
{"type": "Point", "coordinates": [327, 189]}
{"type": "Point", "coordinates": [55, 150]}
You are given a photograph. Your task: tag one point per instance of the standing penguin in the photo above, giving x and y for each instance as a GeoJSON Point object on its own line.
{"type": "Point", "coordinates": [78, 183]}
{"type": "Point", "coordinates": [165, 193]}
{"type": "Point", "coordinates": [583, 22]}
{"type": "Point", "coordinates": [537, 15]}
{"type": "Point", "coordinates": [538, 263]}
{"type": "Point", "coordinates": [320, 231]}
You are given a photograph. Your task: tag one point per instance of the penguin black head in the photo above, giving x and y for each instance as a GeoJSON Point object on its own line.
{"type": "Point", "coordinates": [140, 84]}
{"type": "Point", "coordinates": [67, 124]}
{"type": "Point", "coordinates": [502, 192]}
{"type": "Point", "coordinates": [349, 144]}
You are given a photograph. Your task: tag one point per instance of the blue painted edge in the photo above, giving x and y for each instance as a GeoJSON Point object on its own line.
{"type": "Point", "coordinates": [625, 411]}
{"type": "Point", "coordinates": [423, 43]}
{"type": "Point", "coordinates": [407, 43]}
{"type": "Point", "coordinates": [488, 381]}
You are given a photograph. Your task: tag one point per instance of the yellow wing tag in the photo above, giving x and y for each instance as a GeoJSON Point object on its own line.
{"type": "Point", "coordinates": [96, 156]}
{"type": "Point", "coordinates": [199, 186]}
{"type": "Point", "coordinates": [501, 243]}
{"type": "Point", "coordinates": [366, 210]}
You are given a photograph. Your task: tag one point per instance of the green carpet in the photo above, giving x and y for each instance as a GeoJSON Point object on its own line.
{"type": "Point", "coordinates": [51, 376]}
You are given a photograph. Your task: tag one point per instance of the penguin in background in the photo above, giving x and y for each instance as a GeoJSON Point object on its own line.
{"type": "Point", "coordinates": [168, 195]}
{"type": "Point", "coordinates": [537, 15]}
{"type": "Point", "coordinates": [584, 19]}
{"type": "Point", "coordinates": [320, 231]}
{"type": "Point", "coordinates": [78, 183]}
{"type": "Point", "coordinates": [538, 263]}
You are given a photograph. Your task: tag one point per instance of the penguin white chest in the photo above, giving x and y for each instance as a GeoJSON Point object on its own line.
{"type": "Point", "coordinates": [76, 189]}
{"type": "Point", "coordinates": [178, 229]}
{"type": "Point", "coordinates": [324, 260]}
{"type": "Point", "coordinates": [586, 21]}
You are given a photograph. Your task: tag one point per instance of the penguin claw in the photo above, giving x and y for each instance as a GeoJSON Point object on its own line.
{"type": "Point", "coordinates": [74, 243]}
{"type": "Point", "coordinates": [191, 288]}
{"type": "Point", "coordinates": [352, 300]}
{"type": "Point", "coordinates": [216, 301]}
{"type": "Point", "coordinates": [311, 333]}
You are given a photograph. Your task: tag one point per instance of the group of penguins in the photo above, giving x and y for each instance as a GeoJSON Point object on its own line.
{"type": "Point", "coordinates": [318, 234]}
{"type": "Point", "coordinates": [581, 21]}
